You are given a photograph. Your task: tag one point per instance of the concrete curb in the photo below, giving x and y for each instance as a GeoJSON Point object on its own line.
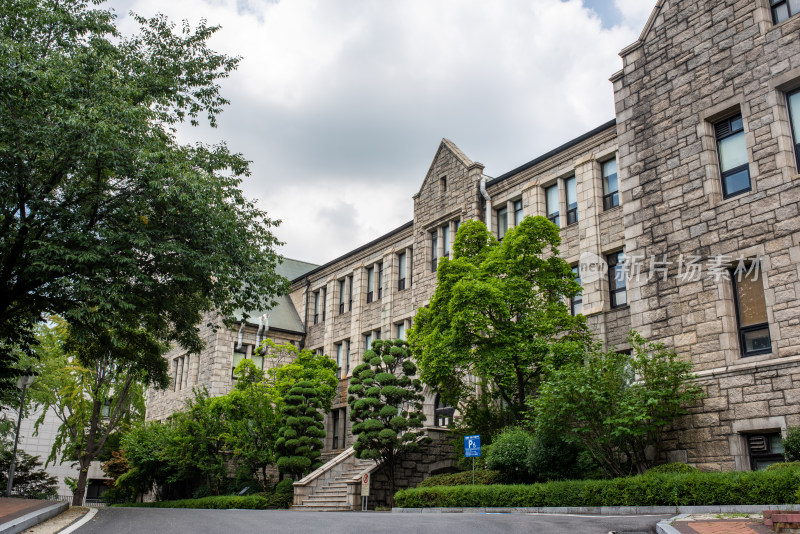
{"type": "Point", "coordinates": [608, 510]}
{"type": "Point", "coordinates": [665, 527]}
{"type": "Point", "coordinates": [34, 518]}
{"type": "Point", "coordinates": [82, 521]}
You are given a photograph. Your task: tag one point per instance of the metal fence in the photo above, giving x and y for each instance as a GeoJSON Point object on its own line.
{"type": "Point", "coordinates": [92, 503]}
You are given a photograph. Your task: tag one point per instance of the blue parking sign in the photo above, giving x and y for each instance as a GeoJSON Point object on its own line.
{"type": "Point", "coordinates": [472, 446]}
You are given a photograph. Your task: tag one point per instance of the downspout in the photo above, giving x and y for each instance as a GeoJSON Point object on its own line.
{"type": "Point", "coordinates": [239, 341]}
{"type": "Point", "coordinates": [260, 329]}
{"type": "Point", "coordinates": [485, 195]}
{"type": "Point", "coordinates": [305, 320]}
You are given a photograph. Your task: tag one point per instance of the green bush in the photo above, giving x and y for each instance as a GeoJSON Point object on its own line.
{"type": "Point", "coordinates": [482, 476]}
{"type": "Point", "coordinates": [509, 454]}
{"type": "Point", "coordinates": [674, 467]}
{"type": "Point", "coordinates": [778, 486]}
{"type": "Point", "coordinates": [551, 458]}
{"type": "Point", "coordinates": [791, 444]}
{"type": "Point", "coordinates": [285, 486]}
{"type": "Point", "coordinates": [258, 501]}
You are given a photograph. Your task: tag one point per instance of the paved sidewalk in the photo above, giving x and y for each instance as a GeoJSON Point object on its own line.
{"type": "Point", "coordinates": [701, 525]}
{"type": "Point", "coordinates": [18, 514]}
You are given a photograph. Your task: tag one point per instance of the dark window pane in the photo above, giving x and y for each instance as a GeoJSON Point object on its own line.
{"type": "Point", "coordinates": [757, 340]}
{"type": "Point", "coordinates": [736, 182]}
{"type": "Point", "coordinates": [780, 13]}
{"type": "Point", "coordinates": [794, 118]}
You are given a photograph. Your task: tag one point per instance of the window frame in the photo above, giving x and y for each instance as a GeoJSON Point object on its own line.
{"type": "Point", "coordinates": [402, 271]}
{"type": "Point", "coordinates": [434, 250]}
{"type": "Point", "coordinates": [370, 283]}
{"type": "Point", "coordinates": [610, 199]}
{"type": "Point", "coordinates": [316, 307]}
{"type": "Point", "coordinates": [350, 293]}
{"type": "Point", "coordinates": [501, 211]}
{"type": "Point", "coordinates": [613, 290]}
{"type": "Point", "coordinates": [795, 129]}
{"type": "Point", "coordinates": [741, 331]}
{"type": "Point", "coordinates": [572, 213]}
{"type": "Point", "coordinates": [519, 214]}
{"type": "Point", "coordinates": [738, 169]}
{"type": "Point", "coordinates": [767, 455]}
{"type": "Point", "coordinates": [243, 352]}
{"type": "Point", "coordinates": [774, 5]}
{"type": "Point", "coordinates": [380, 280]}
{"type": "Point", "coordinates": [553, 217]}
{"type": "Point", "coordinates": [342, 288]}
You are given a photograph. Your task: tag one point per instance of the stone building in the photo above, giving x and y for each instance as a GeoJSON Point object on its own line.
{"type": "Point", "coordinates": [699, 170]}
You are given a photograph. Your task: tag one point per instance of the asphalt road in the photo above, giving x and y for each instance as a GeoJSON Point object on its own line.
{"type": "Point", "coordinates": [164, 521]}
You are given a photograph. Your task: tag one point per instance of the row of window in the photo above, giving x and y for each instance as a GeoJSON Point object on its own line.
{"type": "Point", "coordinates": [343, 347]}
{"type": "Point", "coordinates": [553, 202]}
{"type": "Point", "coordinates": [748, 291]}
{"type": "Point", "coordinates": [374, 275]}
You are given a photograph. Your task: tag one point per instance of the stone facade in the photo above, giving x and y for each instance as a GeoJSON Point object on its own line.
{"type": "Point", "coordinates": [694, 65]}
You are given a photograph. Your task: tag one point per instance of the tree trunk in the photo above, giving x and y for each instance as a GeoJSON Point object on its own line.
{"type": "Point", "coordinates": [80, 487]}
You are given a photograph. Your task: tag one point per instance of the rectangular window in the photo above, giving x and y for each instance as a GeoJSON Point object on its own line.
{"type": "Point", "coordinates": [380, 280]}
{"type": "Point", "coordinates": [401, 268]}
{"type": "Point", "coordinates": [518, 212]}
{"type": "Point", "coordinates": [764, 449]}
{"type": "Point", "coordinates": [335, 434]}
{"type": "Point", "coordinates": [316, 307]}
{"type": "Point", "coordinates": [377, 334]}
{"type": "Point", "coordinates": [434, 251]}
{"type": "Point", "coordinates": [551, 203]}
{"type": "Point", "coordinates": [180, 372]}
{"type": "Point", "coordinates": [339, 357]}
{"type": "Point", "coordinates": [239, 354]}
{"type": "Point", "coordinates": [258, 360]}
{"type": "Point", "coordinates": [732, 152]}
{"type": "Point", "coordinates": [502, 222]}
{"type": "Point", "coordinates": [571, 186]}
{"type": "Point", "coordinates": [342, 289]}
{"type": "Point", "coordinates": [324, 298]}
{"type": "Point", "coordinates": [175, 374]}
{"type": "Point", "coordinates": [370, 283]}
{"type": "Point", "coordinates": [367, 341]}
{"type": "Point", "coordinates": [446, 240]}
{"type": "Point", "coordinates": [347, 357]}
{"type": "Point", "coordinates": [794, 118]}
{"type": "Point", "coordinates": [610, 185]}
{"type": "Point", "coordinates": [616, 279]}
{"type": "Point", "coordinates": [783, 9]}
{"type": "Point", "coordinates": [751, 313]}
{"type": "Point", "coordinates": [401, 330]}
{"type": "Point", "coordinates": [350, 293]}
{"type": "Point", "coordinates": [576, 302]}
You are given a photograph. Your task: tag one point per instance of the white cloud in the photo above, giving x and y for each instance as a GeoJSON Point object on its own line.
{"type": "Point", "coordinates": [341, 104]}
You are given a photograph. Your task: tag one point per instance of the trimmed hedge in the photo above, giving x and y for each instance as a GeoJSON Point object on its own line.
{"type": "Point", "coordinates": [261, 501]}
{"type": "Point", "coordinates": [675, 467]}
{"type": "Point", "coordinates": [778, 486]}
{"type": "Point", "coordinates": [482, 476]}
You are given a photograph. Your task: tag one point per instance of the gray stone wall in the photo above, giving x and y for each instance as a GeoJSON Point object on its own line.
{"type": "Point", "coordinates": [697, 63]}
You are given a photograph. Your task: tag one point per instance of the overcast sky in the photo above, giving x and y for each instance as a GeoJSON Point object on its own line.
{"type": "Point", "coordinates": [341, 104]}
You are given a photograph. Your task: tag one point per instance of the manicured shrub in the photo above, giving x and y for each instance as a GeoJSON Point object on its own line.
{"type": "Point", "coordinates": [259, 501]}
{"type": "Point", "coordinates": [551, 458]}
{"type": "Point", "coordinates": [674, 467]}
{"type": "Point", "coordinates": [791, 444]}
{"type": "Point", "coordinates": [777, 486]}
{"type": "Point", "coordinates": [509, 454]}
{"type": "Point", "coordinates": [482, 476]}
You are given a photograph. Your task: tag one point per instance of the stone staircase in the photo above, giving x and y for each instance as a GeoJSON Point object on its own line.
{"type": "Point", "coordinates": [334, 487]}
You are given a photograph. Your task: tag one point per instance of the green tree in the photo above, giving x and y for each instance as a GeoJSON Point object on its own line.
{"type": "Point", "coordinates": [94, 387]}
{"type": "Point", "coordinates": [302, 431]}
{"type": "Point", "coordinates": [147, 449]}
{"type": "Point", "coordinates": [105, 219]}
{"type": "Point", "coordinates": [499, 312]}
{"type": "Point", "coordinates": [386, 405]}
{"type": "Point", "coordinates": [300, 365]}
{"type": "Point", "coordinates": [615, 405]}
{"type": "Point", "coordinates": [30, 480]}
{"type": "Point", "coordinates": [252, 424]}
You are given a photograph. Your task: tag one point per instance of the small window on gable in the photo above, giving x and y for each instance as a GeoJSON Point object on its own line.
{"type": "Point", "coordinates": [783, 9]}
{"type": "Point", "coordinates": [443, 184]}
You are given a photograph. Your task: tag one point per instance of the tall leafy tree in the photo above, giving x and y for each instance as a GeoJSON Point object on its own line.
{"type": "Point", "coordinates": [615, 404]}
{"type": "Point", "coordinates": [499, 312]}
{"type": "Point", "coordinates": [31, 481]}
{"type": "Point", "coordinates": [385, 401]}
{"type": "Point", "coordinates": [295, 365]}
{"type": "Point", "coordinates": [105, 218]}
{"type": "Point", "coordinates": [300, 443]}
{"type": "Point", "coordinates": [94, 387]}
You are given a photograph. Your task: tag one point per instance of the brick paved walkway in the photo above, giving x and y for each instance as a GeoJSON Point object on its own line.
{"type": "Point", "coordinates": [728, 526]}
{"type": "Point", "coordinates": [14, 508]}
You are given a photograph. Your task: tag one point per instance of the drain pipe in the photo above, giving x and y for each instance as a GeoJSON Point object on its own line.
{"type": "Point", "coordinates": [488, 201]}
{"type": "Point", "coordinates": [239, 341]}
{"type": "Point", "coordinates": [263, 326]}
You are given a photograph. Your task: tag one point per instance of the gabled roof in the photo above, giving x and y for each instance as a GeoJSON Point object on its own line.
{"type": "Point", "coordinates": [646, 30]}
{"type": "Point", "coordinates": [283, 316]}
{"type": "Point", "coordinates": [450, 146]}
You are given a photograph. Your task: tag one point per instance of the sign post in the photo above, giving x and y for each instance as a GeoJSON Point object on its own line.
{"type": "Point", "coordinates": [365, 480]}
{"type": "Point", "coordinates": [472, 449]}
